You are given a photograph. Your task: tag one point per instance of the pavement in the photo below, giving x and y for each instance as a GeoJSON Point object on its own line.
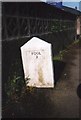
{"type": "Point", "coordinates": [65, 94]}
{"type": "Point", "coordinates": [59, 102]}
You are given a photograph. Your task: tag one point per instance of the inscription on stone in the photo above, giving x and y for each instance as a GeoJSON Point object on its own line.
{"type": "Point", "coordinates": [36, 54]}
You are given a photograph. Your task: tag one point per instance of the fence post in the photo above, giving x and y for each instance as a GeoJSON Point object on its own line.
{"type": "Point", "coordinates": [4, 23]}
{"type": "Point", "coordinates": [18, 26]}
{"type": "Point", "coordinates": [29, 31]}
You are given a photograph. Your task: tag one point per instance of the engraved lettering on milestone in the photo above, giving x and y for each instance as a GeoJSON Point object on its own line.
{"type": "Point", "coordinates": [36, 53]}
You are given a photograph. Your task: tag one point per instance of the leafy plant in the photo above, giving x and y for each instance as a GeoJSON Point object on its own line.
{"type": "Point", "coordinates": [14, 87]}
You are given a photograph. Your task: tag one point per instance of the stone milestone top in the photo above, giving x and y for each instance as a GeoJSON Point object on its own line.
{"type": "Point", "coordinates": [35, 43]}
{"type": "Point", "coordinates": [37, 63]}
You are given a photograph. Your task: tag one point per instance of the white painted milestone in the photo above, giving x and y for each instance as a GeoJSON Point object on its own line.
{"type": "Point", "coordinates": [37, 63]}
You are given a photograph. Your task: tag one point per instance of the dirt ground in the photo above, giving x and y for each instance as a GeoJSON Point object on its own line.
{"type": "Point", "coordinates": [59, 102]}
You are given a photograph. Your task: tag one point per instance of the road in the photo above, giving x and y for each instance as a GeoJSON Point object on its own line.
{"type": "Point", "coordinates": [65, 94]}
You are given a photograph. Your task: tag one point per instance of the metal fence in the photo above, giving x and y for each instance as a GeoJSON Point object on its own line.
{"type": "Point", "coordinates": [15, 27]}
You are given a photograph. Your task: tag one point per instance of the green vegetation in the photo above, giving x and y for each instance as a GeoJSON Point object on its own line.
{"type": "Point", "coordinates": [14, 88]}
{"type": "Point", "coordinates": [15, 83]}
{"type": "Point", "coordinates": [59, 57]}
{"type": "Point", "coordinates": [76, 41]}
{"type": "Point", "coordinates": [59, 25]}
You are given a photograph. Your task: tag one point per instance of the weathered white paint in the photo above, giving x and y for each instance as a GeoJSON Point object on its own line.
{"type": "Point", "coordinates": [37, 63]}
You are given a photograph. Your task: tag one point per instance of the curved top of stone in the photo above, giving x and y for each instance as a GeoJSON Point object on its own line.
{"type": "Point", "coordinates": [35, 43]}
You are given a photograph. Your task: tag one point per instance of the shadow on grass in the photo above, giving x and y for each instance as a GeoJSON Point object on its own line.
{"type": "Point", "coordinates": [58, 69]}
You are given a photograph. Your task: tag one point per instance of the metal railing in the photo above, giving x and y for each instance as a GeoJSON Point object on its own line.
{"type": "Point", "coordinates": [15, 27]}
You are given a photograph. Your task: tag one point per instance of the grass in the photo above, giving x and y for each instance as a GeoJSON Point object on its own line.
{"type": "Point", "coordinates": [76, 41]}
{"type": "Point", "coordinates": [59, 57]}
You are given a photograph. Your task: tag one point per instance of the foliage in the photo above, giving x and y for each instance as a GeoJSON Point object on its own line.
{"type": "Point", "coordinates": [14, 87]}
{"type": "Point", "coordinates": [60, 25]}
{"type": "Point", "coordinates": [59, 56]}
{"type": "Point", "coordinates": [76, 41]}
{"type": "Point", "coordinates": [15, 84]}
{"type": "Point", "coordinates": [61, 53]}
